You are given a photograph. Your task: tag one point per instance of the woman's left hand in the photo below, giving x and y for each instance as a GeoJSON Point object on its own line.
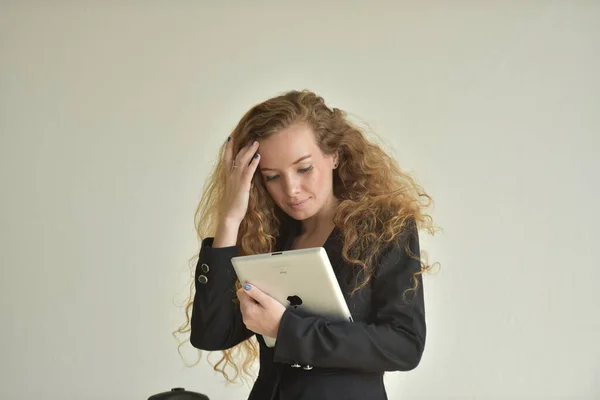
{"type": "Point", "coordinates": [261, 313]}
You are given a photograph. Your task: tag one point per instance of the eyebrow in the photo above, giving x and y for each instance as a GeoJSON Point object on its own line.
{"type": "Point", "coordinates": [294, 163]}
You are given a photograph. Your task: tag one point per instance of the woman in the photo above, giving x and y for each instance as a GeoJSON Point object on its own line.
{"type": "Point", "coordinates": [296, 174]}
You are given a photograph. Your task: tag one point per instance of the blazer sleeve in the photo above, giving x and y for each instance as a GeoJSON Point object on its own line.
{"type": "Point", "coordinates": [216, 322]}
{"type": "Point", "coordinates": [393, 340]}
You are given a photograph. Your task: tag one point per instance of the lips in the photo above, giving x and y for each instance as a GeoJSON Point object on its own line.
{"type": "Point", "coordinates": [298, 203]}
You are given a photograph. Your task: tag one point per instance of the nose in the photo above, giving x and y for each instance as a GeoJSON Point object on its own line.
{"type": "Point", "coordinates": [290, 186]}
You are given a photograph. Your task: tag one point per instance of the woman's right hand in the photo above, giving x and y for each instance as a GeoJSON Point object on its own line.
{"type": "Point", "coordinates": [239, 180]}
{"type": "Point", "coordinates": [240, 171]}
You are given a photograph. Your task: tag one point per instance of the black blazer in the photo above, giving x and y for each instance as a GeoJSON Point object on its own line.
{"type": "Point", "coordinates": [316, 359]}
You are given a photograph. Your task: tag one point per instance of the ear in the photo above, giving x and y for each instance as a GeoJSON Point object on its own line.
{"type": "Point", "coordinates": [336, 161]}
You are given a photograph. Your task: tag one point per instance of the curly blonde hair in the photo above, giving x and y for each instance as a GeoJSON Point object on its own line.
{"type": "Point", "coordinates": [377, 200]}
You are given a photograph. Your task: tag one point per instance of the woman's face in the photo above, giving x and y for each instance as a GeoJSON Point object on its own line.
{"type": "Point", "coordinates": [296, 173]}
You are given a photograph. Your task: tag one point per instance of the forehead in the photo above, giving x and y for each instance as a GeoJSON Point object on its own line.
{"type": "Point", "coordinates": [286, 146]}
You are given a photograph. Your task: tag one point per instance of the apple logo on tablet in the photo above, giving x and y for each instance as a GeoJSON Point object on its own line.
{"type": "Point", "coordinates": [295, 301]}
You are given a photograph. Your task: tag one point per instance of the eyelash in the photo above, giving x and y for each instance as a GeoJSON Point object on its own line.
{"type": "Point", "coordinates": [302, 171]}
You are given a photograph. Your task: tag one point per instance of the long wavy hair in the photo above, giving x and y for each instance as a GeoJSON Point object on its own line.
{"type": "Point", "coordinates": [377, 200]}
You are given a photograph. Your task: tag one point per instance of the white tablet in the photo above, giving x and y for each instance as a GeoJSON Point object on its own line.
{"type": "Point", "coordinates": [302, 279]}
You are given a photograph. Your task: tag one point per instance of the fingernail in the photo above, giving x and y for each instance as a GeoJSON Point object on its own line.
{"type": "Point", "coordinates": [256, 155]}
{"type": "Point", "coordinates": [229, 138]}
{"type": "Point", "coordinates": [247, 287]}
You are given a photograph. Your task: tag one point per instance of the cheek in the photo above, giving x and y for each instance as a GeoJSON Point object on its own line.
{"type": "Point", "coordinates": [275, 191]}
{"type": "Point", "coordinates": [318, 182]}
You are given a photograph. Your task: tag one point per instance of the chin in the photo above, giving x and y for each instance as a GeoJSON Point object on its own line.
{"type": "Point", "coordinates": [297, 215]}
{"type": "Point", "coordinates": [300, 215]}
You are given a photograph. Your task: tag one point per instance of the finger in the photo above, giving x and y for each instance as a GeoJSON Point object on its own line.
{"type": "Point", "coordinates": [248, 308]}
{"type": "Point", "coordinates": [245, 155]}
{"type": "Point", "coordinates": [249, 172]}
{"type": "Point", "coordinates": [258, 295]}
{"type": "Point", "coordinates": [242, 295]}
{"type": "Point", "coordinates": [244, 300]}
{"type": "Point", "coordinates": [228, 154]}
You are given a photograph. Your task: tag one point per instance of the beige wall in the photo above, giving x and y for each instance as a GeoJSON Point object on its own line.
{"type": "Point", "coordinates": [110, 117]}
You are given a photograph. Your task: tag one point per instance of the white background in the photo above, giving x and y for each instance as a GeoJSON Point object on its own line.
{"type": "Point", "coordinates": [111, 114]}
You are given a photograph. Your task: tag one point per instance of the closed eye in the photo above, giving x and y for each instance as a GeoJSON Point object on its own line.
{"type": "Point", "coordinates": [270, 178]}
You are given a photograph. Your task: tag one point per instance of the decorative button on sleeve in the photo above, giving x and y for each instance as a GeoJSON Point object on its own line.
{"type": "Point", "coordinates": [204, 268]}
{"type": "Point", "coordinates": [202, 279]}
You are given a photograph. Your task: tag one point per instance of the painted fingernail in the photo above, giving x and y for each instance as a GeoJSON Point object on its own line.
{"type": "Point", "coordinates": [256, 155]}
{"type": "Point", "coordinates": [229, 138]}
{"type": "Point", "coordinates": [247, 287]}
